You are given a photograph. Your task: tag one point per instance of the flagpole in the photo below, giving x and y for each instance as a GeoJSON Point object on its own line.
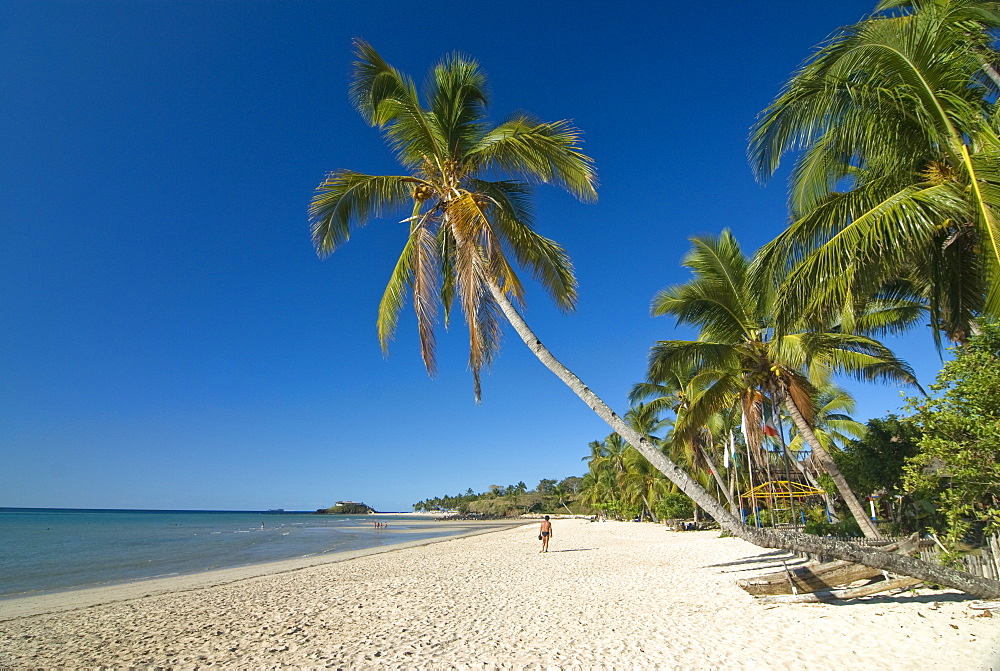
{"type": "Point", "coordinates": [788, 468]}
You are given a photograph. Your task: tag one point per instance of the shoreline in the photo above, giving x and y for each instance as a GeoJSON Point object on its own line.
{"type": "Point", "coordinates": [86, 597]}
{"type": "Point", "coordinates": [607, 595]}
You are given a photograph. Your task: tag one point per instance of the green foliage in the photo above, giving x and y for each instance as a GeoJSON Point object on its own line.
{"type": "Point", "coordinates": [815, 516]}
{"type": "Point", "coordinates": [508, 501]}
{"type": "Point", "coordinates": [619, 510]}
{"type": "Point", "coordinates": [826, 483]}
{"type": "Point", "coordinates": [875, 463]}
{"type": "Point", "coordinates": [571, 484]}
{"type": "Point", "coordinates": [958, 465]}
{"type": "Point", "coordinates": [497, 507]}
{"type": "Point", "coordinates": [895, 187]}
{"type": "Point", "coordinates": [545, 486]}
{"type": "Point", "coordinates": [847, 527]}
{"type": "Point", "coordinates": [818, 524]}
{"type": "Point", "coordinates": [675, 506]}
{"type": "Point", "coordinates": [620, 477]}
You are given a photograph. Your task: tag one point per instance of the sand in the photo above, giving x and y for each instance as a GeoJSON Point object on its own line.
{"type": "Point", "coordinates": [607, 595]}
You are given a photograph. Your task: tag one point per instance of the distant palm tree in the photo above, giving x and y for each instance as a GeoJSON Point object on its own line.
{"type": "Point", "coordinates": [899, 172]}
{"type": "Point", "coordinates": [614, 455]}
{"type": "Point", "coordinates": [694, 444]}
{"type": "Point", "coordinates": [597, 452]}
{"type": "Point", "coordinates": [599, 488]}
{"type": "Point", "coordinates": [561, 494]}
{"type": "Point", "coordinates": [642, 483]}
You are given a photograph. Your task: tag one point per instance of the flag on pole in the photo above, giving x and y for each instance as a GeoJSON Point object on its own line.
{"type": "Point", "coordinates": [769, 423]}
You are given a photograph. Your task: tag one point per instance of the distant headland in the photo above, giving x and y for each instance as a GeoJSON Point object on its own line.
{"type": "Point", "coordinates": [347, 508]}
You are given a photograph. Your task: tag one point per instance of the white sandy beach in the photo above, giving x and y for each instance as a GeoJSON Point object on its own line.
{"type": "Point", "coordinates": [608, 595]}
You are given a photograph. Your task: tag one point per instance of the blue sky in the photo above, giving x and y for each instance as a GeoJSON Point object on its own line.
{"type": "Point", "coordinates": [169, 338]}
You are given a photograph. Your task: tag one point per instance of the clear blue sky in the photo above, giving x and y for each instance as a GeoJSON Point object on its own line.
{"type": "Point", "coordinates": [168, 337]}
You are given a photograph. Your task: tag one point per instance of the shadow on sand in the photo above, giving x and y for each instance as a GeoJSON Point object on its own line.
{"type": "Point", "coordinates": [756, 559]}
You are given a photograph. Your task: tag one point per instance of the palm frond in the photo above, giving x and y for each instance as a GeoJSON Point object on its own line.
{"type": "Point", "coordinates": [864, 358]}
{"type": "Point", "coordinates": [388, 99]}
{"type": "Point", "coordinates": [458, 100]}
{"type": "Point", "coordinates": [547, 261]}
{"type": "Point", "coordinates": [722, 392]}
{"type": "Point", "coordinates": [860, 253]}
{"type": "Point", "coordinates": [446, 247]}
{"type": "Point", "coordinates": [898, 110]}
{"type": "Point", "coordinates": [546, 152]}
{"type": "Point", "coordinates": [666, 355]}
{"type": "Point", "coordinates": [347, 197]}
{"type": "Point", "coordinates": [394, 297]}
{"type": "Point", "coordinates": [717, 298]}
{"type": "Point", "coordinates": [425, 281]}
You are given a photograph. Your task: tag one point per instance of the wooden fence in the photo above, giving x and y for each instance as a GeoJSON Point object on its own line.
{"type": "Point", "coordinates": [983, 562]}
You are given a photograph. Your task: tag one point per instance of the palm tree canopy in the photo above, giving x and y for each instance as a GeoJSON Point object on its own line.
{"type": "Point", "coordinates": [466, 192]}
{"type": "Point", "coordinates": [899, 171]}
{"type": "Point", "coordinates": [738, 353]}
{"type": "Point", "coordinates": [752, 364]}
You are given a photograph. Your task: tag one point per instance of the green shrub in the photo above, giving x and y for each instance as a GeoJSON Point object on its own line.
{"type": "Point", "coordinates": [845, 527]}
{"type": "Point", "coordinates": [675, 506]}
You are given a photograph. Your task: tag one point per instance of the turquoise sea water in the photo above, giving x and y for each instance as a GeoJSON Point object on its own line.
{"type": "Point", "coordinates": [47, 550]}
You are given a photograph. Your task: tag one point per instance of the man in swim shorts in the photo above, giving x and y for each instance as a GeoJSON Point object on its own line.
{"type": "Point", "coordinates": [545, 533]}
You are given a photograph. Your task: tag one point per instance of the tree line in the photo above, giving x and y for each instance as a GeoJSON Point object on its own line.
{"type": "Point", "coordinates": [500, 501]}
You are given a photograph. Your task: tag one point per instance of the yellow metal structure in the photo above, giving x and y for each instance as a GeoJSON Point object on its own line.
{"type": "Point", "coordinates": [781, 490]}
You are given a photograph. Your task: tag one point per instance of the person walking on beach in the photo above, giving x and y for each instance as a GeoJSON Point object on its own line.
{"type": "Point", "coordinates": [545, 533]}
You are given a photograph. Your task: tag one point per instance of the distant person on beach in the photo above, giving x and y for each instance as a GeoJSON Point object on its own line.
{"type": "Point", "coordinates": [545, 533]}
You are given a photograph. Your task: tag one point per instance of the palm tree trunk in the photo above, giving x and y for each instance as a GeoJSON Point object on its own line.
{"type": "Point", "coordinates": [731, 492]}
{"type": "Point", "coordinates": [718, 478]}
{"type": "Point", "coordinates": [766, 538]}
{"type": "Point", "coordinates": [867, 527]}
{"type": "Point", "coordinates": [799, 467]}
{"type": "Point", "coordinates": [649, 508]}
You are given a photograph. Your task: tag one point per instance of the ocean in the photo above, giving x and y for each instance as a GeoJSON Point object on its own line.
{"type": "Point", "coordinates": [46, 550]}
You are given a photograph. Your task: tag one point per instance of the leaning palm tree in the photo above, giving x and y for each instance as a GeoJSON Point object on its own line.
{"type": "Point", "coordinates": [561, 494]}
{"type": "Point", "coordinates": [466, 189]}
{"type": "Point", "coordinates": [462, 220]}
{"type": "Point", "coordinates": [737, 348]}
{"type": "Point", "coordinates": [898, 178]}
